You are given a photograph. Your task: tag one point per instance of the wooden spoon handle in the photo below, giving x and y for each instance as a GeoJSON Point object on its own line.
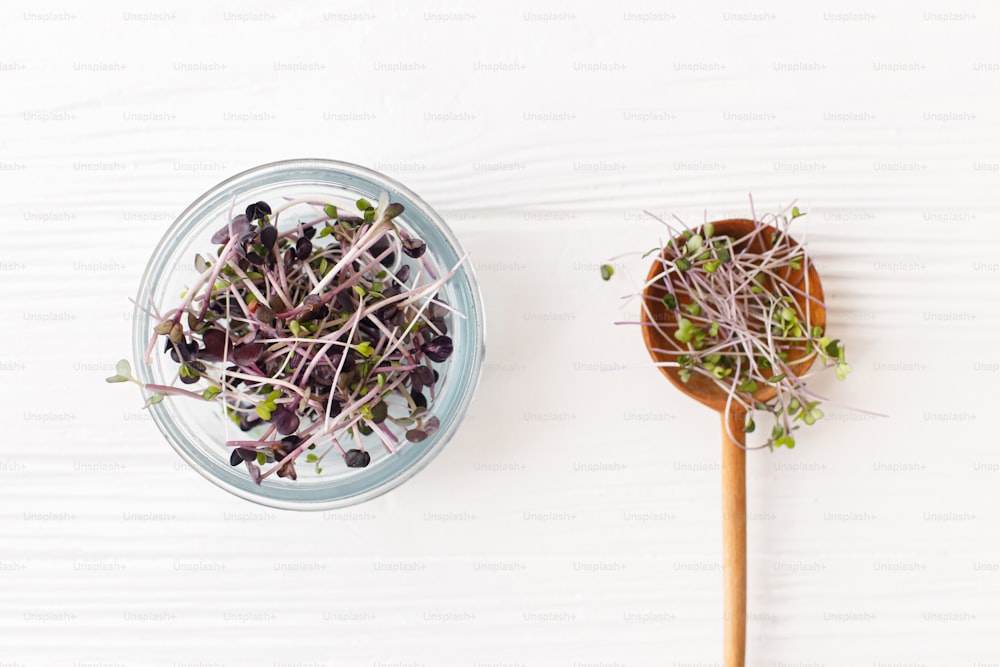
{"type": "Point", "coordinates": [734, 540]}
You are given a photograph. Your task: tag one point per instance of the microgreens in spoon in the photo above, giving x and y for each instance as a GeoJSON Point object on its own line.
{"type": "Point", "coordinates": [310, 334]}
{"type": "Point", "coordinates": [739, 313]}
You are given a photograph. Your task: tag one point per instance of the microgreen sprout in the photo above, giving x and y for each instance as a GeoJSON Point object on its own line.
{"type": "Point", "coordinates": [313, 335]}
{"type": "Point", "coordinates": [738, 312]}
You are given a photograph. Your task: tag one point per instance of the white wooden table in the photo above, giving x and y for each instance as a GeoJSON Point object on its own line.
{"type": "Point", "coordinates": [574, 520]}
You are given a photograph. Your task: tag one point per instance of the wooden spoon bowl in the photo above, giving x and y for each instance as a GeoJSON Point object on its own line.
{"type": "Point", "coordinates": [658, 327]}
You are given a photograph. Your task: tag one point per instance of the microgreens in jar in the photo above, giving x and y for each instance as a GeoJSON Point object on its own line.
{"type": "Point", "coordinates": [316, 333]}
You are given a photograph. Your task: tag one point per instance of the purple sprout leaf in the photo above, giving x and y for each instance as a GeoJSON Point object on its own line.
{"type": "Point", "coordinates": [438, 349]}
{"type": "Point", "coordinates": [437, 310]}
{"type": "Point", "coordinates": [265, 314]}
{"type": "Point", "coordinates": [249, 421]}
{"type": "Point", "coordinates": [312, 307]}
{"type": "Point", "coordinates": [431, 426]}
{"type": "Point", "coordinates": [356, 458]}
{"type": "Point", "coordinates": [414, 248]}
{"type": "Point", "coordinates": [258, 210]}
{"type": "Point", "coordinates": [183, 351]}
{"type": "Point", "coordinates": [221, 237]}
{"type": "Point", "coordinates": [303, 249]}
{"type": "Point", "coordinates": [288, 470]}
{"type": "Point", "coordinates": [323, 375]}
{"type": "Point", "coordinates": [285, 420]}
{"type": "Point", "coordinates": [240, 226]}
{"type": "Point", "coordinates": [424, 374]}
{"type": "Point", "coordinates": [416, 435]}
{"type": "Point", "coordinates": [254, 472]}
{"type": "Point", "coordinates": [248, 353]}
{"type": "Point", "coordinates": [215, 345]}
{"type": "Point", "coordinates": [418, 399]}
{"type": "Point", "coordinates": [268, 236]}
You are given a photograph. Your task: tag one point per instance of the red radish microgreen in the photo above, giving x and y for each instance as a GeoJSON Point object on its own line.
{"type": "Point", "coordinates": [310, 333]}
{"type": "Point", "coordinates": [741, 321]}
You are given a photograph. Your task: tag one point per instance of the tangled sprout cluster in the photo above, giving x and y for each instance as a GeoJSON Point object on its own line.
{"type": "Point", "coordinates": [740, 313]}
{"type": "Point", "coordinates": [310, 333]}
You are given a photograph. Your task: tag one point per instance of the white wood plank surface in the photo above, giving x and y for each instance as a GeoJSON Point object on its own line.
{"type": "Point", "coordinates": [573, 520]}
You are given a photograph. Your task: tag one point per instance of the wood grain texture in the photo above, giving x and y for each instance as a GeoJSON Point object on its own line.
{"type": "Point", "coordinates": [734, 540]}
{"type": "Point", "coordinates": [574, 520]}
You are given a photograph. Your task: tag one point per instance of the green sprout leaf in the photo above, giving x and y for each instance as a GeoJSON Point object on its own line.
{"type": "Point", "coordinates": [670, 301]}
{"type": "Point", "coordinates": [331, 212]}
{"type": "Point", "coordinates": [842, 370]}
{"type": "Point", "coordinates": [796, 213]}
{"type": "Point", "coordinates": [784, 441]}
{"type": "Point", "coordinates": [365, 349]}
{"type": "Point", "coordinates": [719, 372]}
{"type": "Point", "coordinates": [363, 204]}
{"type": "Point", "coordinates": [685, 330]}
{"type": "Point", "coordinates": [811, 415]}
{"type": "Point", "coordinates": [211, 393]}
{"type": "Point", "coordinates": [152, 400]}
{"type": "Point", "coordinates": [607, 271]}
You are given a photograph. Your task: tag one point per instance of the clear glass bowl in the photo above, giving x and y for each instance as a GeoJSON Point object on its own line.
{"type": "Point", "coordinates": [198, 429]}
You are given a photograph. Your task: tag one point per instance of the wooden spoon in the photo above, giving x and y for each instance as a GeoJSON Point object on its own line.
{"type": "Point", "coordinates": [663, 347]}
